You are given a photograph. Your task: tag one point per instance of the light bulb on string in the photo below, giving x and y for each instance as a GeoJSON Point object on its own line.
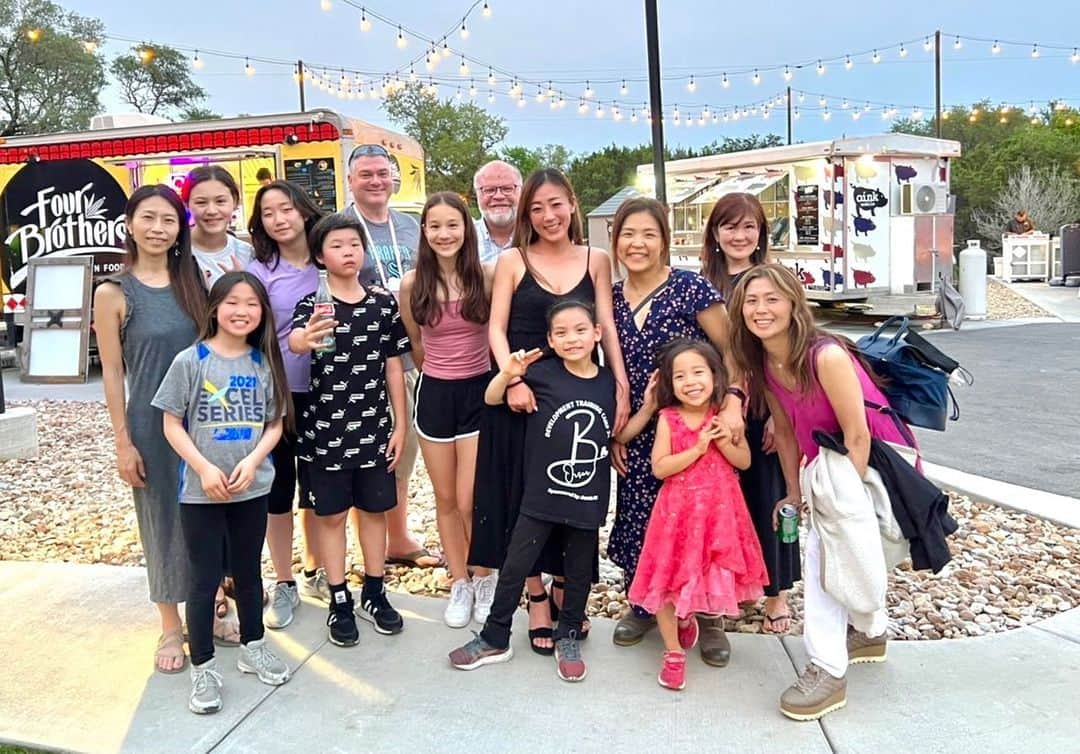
{"type": "Point", "coordinates": [903, 51]}
{"type": "Point", "coordinates": [691, 85]}
{"type": "Point", "coordinates": [550, 90]}
{"type": "Point", "coordinates": [1060, 105]}
{"type": "Point", "coordinates": [726, 117]}
{"type": "Point", "coordinates": [197, 62]}
{"type": "Point", "coordinates": [464, 31]}
{"type": "Point", "coordinates": [296, 73]}
{"type": "Point", "coordinates": [90, 46]}
{"type": "Point", "coordinates": [463, 69]}
{"type": "Point", "coordinates": [521, 100]}
{"type": "Point", "coordinates": [486, 10]}
{"type": "Point", "coordinates": [715, 119]}
{"type": "Point", "coordinates": [615, 114]}
{"type": "Point", "coordinates": [958, 43]}
{"type": "Point", "coordinates": [472, 88]}
{"type": "Point", "coordinates": [457, 94]}
{"type": "Point", "coordinates": [855, 115]}
{"type": "Point", "coordinates": [825, 115]}
{"type": "Point", "coordinates": [757, 77]}
{"type": "Point", "coordinates": [1068, 121]}
{"type": "Point", "coordinates": [701, 119]}
{"type": "Point", "coordinates": [735, 115]}
{"type": "Point", "coordinates": [823, 101]}
{"type": "Point", "coordinates": [1075, 57]}
{"type": "Point", "coordinates": [945, 115]}
{"type": "Point", "coordinates": [847, 62]}
{"type": "Point", "coordinates": [599, 109]}
{"type": "Point", "coordinates": [764, 113]}
{"type": "Point", "coordinates": [1003, 120]}
{"type": "Point", "coordinates": [360, 93]}
{"type": "Point", "coordinates": [675, 114]}
{"type": "Point", "coordinates": [927, 44]}
{"type": "Point", "coordinates": [1031, 109]}
{"type": "Point", "coordinates": [445, 48]}
{"type": "Point", "coordinates": [146, 55]}
{"type": "Point", "coordinates": [787, 73]}
{"type": "Point", "coordinates": [1035, 51]}
{"type": "Point", "coordinates": [875, 58]}
{"type": "Point", "coordinates": [588, 90]}
{"type": "Point", "coordinates": [802, 96]}
{"type": "Point", "coordinates": [796, 114]}
{"type": "Point", "coordinates": [724, 82]}
{"type": "Point", "coordinates": [623, 89]}
{"type": "Point", "coordinates": [916, 114]}
{"type": "Point", "coordinates": [365, 24]}
{"type": "Point", "coordinates": [820, 68]}
{"type": "Point", "coordinates": [429, 62]}
{"type": "Point", "coordinates": [995, 49]}
{"type": "Point", "coordinates": [582, 108]}
{"type": "Point", "coordinates": [866, 107]}
{"type": "Point", "coordinates": [491, 96]}
{"type": "Point", "coordinates": [884, 113]}
{"type": "Point", "coordinates": [491, 77]}
{"type": "Point", "coordinates": [401, 41]}
{"type": "Point", "coordinates": [33, 35]}
{"type": "Point", "coordinates": [412, 72]}
{"type": "Point", "coordinates": [633, 117]}
{"type": "Point", "coordinates": [645, 108]}
{"type": "Point", "coordinates": [248, 69]}
{"type": "Point", "coordinates": [562, 102]}
{"type": "Point", "coordinates": [844, 105]}
{"type": "Point", "coordinates": [326, 5]}
{"type": "Point", "coordinates": [540, 94]}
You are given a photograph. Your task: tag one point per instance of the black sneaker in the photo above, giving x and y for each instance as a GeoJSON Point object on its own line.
{"type": "Point", "coordinates": [380, 613]}
{"type": "Point", "coordinates": [342, 624]}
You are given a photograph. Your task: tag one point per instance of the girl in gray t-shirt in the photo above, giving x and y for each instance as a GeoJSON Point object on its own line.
{"type": "Point", "coordinates": [224, 400]}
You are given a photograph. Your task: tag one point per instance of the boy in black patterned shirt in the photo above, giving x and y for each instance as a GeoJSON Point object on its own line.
{"type": "Point", "coordinates": [346, 436]}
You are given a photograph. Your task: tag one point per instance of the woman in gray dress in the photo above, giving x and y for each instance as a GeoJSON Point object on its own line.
{"type": "Point", "coordinates": [143, 318]}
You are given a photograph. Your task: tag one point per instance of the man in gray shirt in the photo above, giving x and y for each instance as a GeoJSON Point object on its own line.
{"type": "Point", "coordinates": [390, 239]}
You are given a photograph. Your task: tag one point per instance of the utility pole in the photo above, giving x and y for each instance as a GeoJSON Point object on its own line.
{"type": "Point", "coordinates": [789, 116]}
{"type": "Point", "coordinates": [937, 82]}
{"type": "Point", "coordinates": [652, 36]}
{"type": "Point", "coordinates": [300, 83]}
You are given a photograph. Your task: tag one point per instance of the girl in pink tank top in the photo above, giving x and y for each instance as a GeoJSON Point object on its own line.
{"type": "Point", "coordinates": [812, 381]}
{"type": "Point", "coordinates": [445, 304]}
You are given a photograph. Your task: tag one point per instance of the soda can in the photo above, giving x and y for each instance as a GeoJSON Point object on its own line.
{"type": "Point", "coordinates": [789, 524]}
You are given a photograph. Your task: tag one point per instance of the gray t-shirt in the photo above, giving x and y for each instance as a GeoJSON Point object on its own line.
{"type": "Point", "coordinates": [380, 244]}
{"type": "Point", "coordinates": [225, 403]}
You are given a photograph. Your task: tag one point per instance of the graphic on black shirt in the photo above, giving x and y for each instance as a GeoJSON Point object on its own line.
{"type": "Point", "coordinates": [346, 423]}
{"type": "Point", "coordinates": [567, 466]}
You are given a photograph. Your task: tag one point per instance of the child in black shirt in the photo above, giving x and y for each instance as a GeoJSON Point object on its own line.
{"type": "Point", "coordinates": [567, 481]}
{"type": "Point", "coordinates": [346, 436]}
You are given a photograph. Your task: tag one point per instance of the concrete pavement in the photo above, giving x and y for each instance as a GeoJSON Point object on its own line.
{"type": "Point", "coordinates": [78, 642]}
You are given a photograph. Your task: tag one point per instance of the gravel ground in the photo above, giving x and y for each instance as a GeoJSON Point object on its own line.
{"type": "Point", "coordinates": [1009, 569]}
{"type": "Point", "coordinates": [1002, 303]}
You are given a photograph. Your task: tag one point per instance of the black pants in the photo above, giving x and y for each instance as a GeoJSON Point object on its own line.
{"type": "Point", "coordinates": [526, 543]}
{"type": "Point", "coordinates": [208, 527]}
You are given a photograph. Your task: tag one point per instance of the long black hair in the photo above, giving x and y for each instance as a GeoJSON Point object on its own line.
{"type": "Point", "coordinates": [266, 248]}
{"type": "Point", "coordinates": [475, 303]}
{"type": "Point", "coordinates": [262, 338]}
{"type": "Point", "coordinates": [665, 389]}
{"type": "Point", "coordinates": [524, 232]}
{"type": "Point", "coordinates": [184, 276]}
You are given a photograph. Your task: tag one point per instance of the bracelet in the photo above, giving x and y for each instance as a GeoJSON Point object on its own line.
{"type": "Point", "coordinates": [738, 393]}
{"type": "Point", "coordinates": [515, 381]}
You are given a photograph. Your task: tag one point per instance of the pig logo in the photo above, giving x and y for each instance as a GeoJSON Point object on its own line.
{"type": "Point", "coordinates": [866, 170]}
{"type": "Point", "coordinates": [837, 251]}
{"type": "Point", "coordinates": [864, 225]}
{"type": "Point", "coordinates": [905, 173]}
{"type": "Point", "coordinates": [863, 251]}
{"type": "Point", "coordinates": [831, 196]}
{"type": "Point", "coordinates": [863, 277]}
{"type": "Point", "coordinates": [831, 279]}
{"type": "Point", "coordinates": [867, 199]}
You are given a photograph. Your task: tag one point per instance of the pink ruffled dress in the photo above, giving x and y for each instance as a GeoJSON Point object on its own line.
{"type": "Point", "coordinates": [701, 552]}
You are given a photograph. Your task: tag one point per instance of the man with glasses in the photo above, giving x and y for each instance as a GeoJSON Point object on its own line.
{"type": "Point", "coordinates": [391, 239]}
{"type": "Point", "coordinates": [498, 190]}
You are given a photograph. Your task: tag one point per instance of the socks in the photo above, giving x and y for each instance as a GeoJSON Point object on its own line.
{"type": "Point", "coordinates": [310, 574]}
{"type": "Point", "coordinates": [288, 583]}
{"type": "Point", "coordinates": [339, 595]}
{"type": "Point", "coordinates": [373, 587]}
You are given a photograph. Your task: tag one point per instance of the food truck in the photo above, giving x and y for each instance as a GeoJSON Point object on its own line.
{"type": "Point", "coordinates": [64, 194]}
{"type": "Point", "coordinates": [851, 217]}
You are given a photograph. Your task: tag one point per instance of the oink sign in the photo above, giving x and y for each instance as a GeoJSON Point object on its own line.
{"type": "Point", "coordinates": [61, 208]}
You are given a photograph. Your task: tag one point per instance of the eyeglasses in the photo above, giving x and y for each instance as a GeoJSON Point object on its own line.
{"type": "Point", "coordinates": [368, 150]}
{"type": "Point", "coordinates": [493, 190]}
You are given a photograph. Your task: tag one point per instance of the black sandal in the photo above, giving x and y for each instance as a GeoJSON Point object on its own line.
{"type": "Point", "coordinates": [560, 584]}
{"type": "Point", "coordinates": [540, 633]}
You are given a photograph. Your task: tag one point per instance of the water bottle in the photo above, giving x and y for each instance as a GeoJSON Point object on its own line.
{"type": "Point", "coordinates": [324, 308]}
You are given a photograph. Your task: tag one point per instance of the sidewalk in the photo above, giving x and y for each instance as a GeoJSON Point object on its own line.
{"type": "Point", "coordinates": [78, 642]}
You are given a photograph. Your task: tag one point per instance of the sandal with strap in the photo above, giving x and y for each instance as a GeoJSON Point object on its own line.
{"type": "Point", "coordinates": [540, 633]}
{"type": "Point", "coordinates": [226, 632]}
{"type": "Point", "coordinates": [167, 643]}
{"type": "Point", "coordinates": [586, 625]}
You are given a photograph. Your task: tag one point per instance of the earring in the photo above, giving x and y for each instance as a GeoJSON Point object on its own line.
{"type": "Point", "coordinates": [176, 250]}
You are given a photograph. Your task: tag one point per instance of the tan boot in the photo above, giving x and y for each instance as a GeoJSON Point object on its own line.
{"type": "Point", "coordinates": [862, 648]}
{"type": "Point", "coordinates": [814, 694]}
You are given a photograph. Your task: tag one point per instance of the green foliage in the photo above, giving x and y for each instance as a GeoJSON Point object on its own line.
{"type": "Point", "coordinates": [457, 137]}
{"type": "Point", "coordinates": [199, 113]}
{"type": "Point", "coordinates": [51, 84]}
{"type": "Point", "coordinates": [548, 156]}
{"type": "Point", "coordinates": [993, 150]}
{"type": "Point", "coordinates": [161, 85]}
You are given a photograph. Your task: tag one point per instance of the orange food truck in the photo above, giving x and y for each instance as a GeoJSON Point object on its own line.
{"type": "Point", "coordinates": [64, 194]}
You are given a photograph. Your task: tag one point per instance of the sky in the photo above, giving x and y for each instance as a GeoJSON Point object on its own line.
{"type": "Point", "coordinates": [603, 41]}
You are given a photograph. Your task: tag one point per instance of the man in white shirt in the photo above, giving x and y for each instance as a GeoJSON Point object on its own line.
{"type": "Point", "coordinates": [498, 191]}
{"type": "Point", "coordinates": [391, 239]}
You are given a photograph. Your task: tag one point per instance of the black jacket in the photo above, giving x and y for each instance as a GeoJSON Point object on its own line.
{"type": "Point", "coordinates": [921, 509]}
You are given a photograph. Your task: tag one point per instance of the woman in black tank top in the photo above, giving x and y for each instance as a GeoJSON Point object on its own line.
{"type": "Point", "coordinates": [527, 283]}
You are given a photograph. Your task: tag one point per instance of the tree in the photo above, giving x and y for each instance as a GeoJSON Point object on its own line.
{"type": "Point", "coordinates": [996, 144]}
{"type": "Point", "coordinates": [50, 73]}
{"type": "Point", "coordinates": [199, 113]}
{"type": "Point", "coordinates": [528, 160]}
{"type": "Point", "coordinates": [457, 137]}
{"type": "Point", "coordinates": [1051, 197]}
{"type": "Point", "coordinates": [156, 80]}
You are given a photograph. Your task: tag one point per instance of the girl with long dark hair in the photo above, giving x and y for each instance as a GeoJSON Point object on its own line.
{"type": "Point", "coordinates": [212, 197]}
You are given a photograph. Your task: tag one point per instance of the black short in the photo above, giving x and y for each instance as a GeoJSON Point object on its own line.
{"type": "Point", "coordinates": [283, 491]}
{"type": "Point", "coordinates": [331, 492]}
{"type": "Point", "coordinates": [448, 410]}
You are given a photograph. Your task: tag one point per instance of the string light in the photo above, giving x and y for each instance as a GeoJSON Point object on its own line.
{"type": "Point", "coordinates": [146, 55]}
{"type": "Point", "coordinates": [582, 108]}
{"type": "Point", "coordinates": [825, 115]}
{"type": "Point", "coordinates": [248, 69]}
{"type": "Point", "coordinates": [757, 77]}
{"type": "Point", "coordinates": [1035, 51]}
{"type": "Point", "coordinates": [787, 73]}
{"type": "Point", "coordinates": [633, 117]}
{"type": "Point", "coordinates": [464, 31]}
{"type": "Point", "coordinates": [847, 62]}
{"type": "Point", "coordinates": [491, 76]}
{"type": "Point", "coordinates": [33, 35]}
{"type": "Point", "coordinates": [472, 88]}
{"type": "Point", "coordinates": [412, 73]}
{"type": "Point", "coordinates": [995, 49]}
{"type": "Point", "coordinates": [197, 62]}
{"type": "Point", "coordinates": [724, 82]}
{"type": "Point", "coordinates": [691, 85]}
{"type": "Point", "coordinates": [365, 24]}
{"type": "Point", "coordinates": [876, 58]}
{"type": "Point", "coordinates": [588, 90]}
{"type": "Point", "coordinates": [855, 115]}
{"type": "Point", "coordinates": [445, 48]}
{"type": "Point", "coordinates": [823, 101]}
{"type": "Point", "coordinates": [90, 46]}
{"type": "Point", "coordinates": [326, 4]}
{"type": "Point", "coordinates": [796, 114]}
{"type": "Point", "coordinates": [540, 94]}
{"type": "Point", "coordinates": [463, 69]}
{"type": "Point", "coordinates": [903, 51]}
{"type": "Point", "coordinates": [845, 105]}
{"type": "Point", "coordinates": [401, 41]}
{"type": "Point", "coordinates": [958, 43]}
{"type": "Point", "coordinates": [1075, 56]}
{"type": "Point", "coordinates": [521, 100]}
{"type": "Point", "coordinates": [820, 68]}
{"type": "Point", "coordinates": [457, 95]}
{"type": "Point", "coordinates": [623, 89]}
{"type": "Point", "coordinates": [927, 44]}
{"type": "Point", "coordinates": [491, 96]}
{"type": "Point", "coordinates": [486, 11]}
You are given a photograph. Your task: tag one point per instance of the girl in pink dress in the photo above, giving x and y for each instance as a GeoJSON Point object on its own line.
{"type": "Point", "coordinates": [701, 554]}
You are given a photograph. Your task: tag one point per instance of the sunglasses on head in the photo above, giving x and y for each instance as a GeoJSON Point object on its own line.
{"type": "Point", "coordinates": [369, 150]}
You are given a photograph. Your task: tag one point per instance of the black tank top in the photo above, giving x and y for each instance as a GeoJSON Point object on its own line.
{"type": "Point", "coordinates": [529, 305]}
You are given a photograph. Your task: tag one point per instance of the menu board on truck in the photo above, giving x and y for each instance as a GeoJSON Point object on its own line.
{"type": "Point", "coordinates": [315, 175]}
{"type": "Point", "coordinates": [806, 216]}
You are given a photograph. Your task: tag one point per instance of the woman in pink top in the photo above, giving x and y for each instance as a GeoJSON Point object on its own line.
{"type": "Point", "coordinates": [445, 303]}
{"type": "Point", "coordinates": [812, 381]}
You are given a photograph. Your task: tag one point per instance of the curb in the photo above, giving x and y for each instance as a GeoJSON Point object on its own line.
{"type": "Point", "coordinates": [1046, 505]}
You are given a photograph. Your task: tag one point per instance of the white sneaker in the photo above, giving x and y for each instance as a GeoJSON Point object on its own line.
{"type": "Point", "coordinates": [255, 657]}
{"type": "Point", "coordinates": [282, 604]}
{"type": "Point", "coordinates": [205, 688]}
{"type": "Point", "coordinates": [317, 587]}
{"type": "Point", "coordinates": [459, 609]}
{"type": "Point", "coordinates": [484, 588]}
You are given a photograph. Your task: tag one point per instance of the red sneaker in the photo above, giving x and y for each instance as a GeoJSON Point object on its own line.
{"type": "Point", "coordinates": [673, 671]}
{"type": "Point", "coordinates": [688, 633]}
{"type": "Point", "coordinates": [568, 662]}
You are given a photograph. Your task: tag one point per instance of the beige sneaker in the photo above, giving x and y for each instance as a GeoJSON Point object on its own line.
{"type": "Point", "coordinates": [861, 648]}
{"type": "Point", "coordinates": [814, 694]}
